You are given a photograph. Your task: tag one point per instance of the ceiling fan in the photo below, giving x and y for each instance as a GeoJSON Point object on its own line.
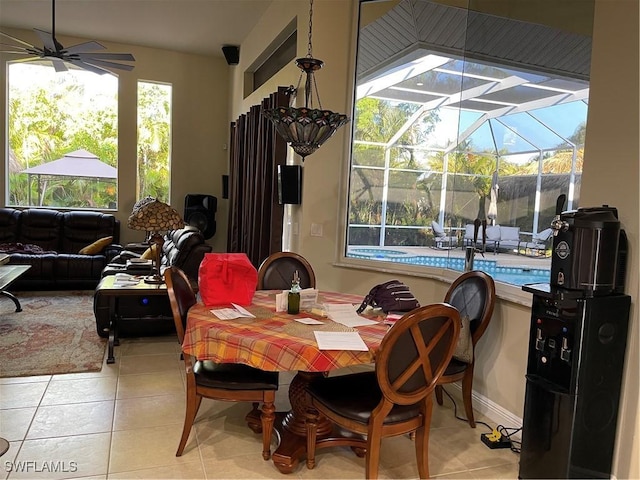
{"type": "Point", "coordinates": [82, 55]}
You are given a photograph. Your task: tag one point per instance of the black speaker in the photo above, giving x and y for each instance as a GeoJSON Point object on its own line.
{"type": "Point", "coordinates": [289, 184]}
{"type": "Point", "coordinates": [231, 54]}
{"type": "Point", "coordinates": [200, 212]}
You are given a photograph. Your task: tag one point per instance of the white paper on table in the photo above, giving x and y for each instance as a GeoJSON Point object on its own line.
{"type": "Point", "coordinates": [231, 313]}
{"type": "Point", "coordinates": [308, 298]}
{"type": "Point", "coordinates": [340, 341]}
{"type": "Point", "coordinates": [345, 314]}
{"type": "Point", "coordinates": [282, 302]}
{"type": "Point", "coordinates": [243, 311]}
{"type": "Point", "coordinates": [309, 321]}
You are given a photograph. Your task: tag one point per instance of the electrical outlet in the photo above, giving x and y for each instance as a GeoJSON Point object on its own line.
{"type": "Point", "coordinates": [316, 229]}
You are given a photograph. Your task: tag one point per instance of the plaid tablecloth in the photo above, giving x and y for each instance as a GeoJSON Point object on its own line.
{"type": "Point", "coordinates": [274, 341]}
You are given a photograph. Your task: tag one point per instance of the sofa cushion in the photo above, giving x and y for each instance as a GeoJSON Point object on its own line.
{"type": "Point", "coordinates": [42, 227]}
{"type": "Point", "coordinates": [493, 233]}
{"type": "Point", "coordinates": [80, 228]}
{"type": "Point", "coordinates": [96, 247]}
{"type": "Point", "coordinates": [509, 234]}
{"type": "Point", "coordinates": [9, 225]}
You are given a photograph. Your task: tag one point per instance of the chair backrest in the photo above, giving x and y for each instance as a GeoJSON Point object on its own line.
{"type": "Point", "coordinates": [415, 353]}
{"type": "Point", "coordinates": [544, 235]}
{"type": "Point", "coordinates": [181, 298]}
{"type": "Point", "coordinates": [438, 231]}
{"type": "Point", "coordinates": [474, 295]}
{"type": "Point", "coordinates": [276, 272]}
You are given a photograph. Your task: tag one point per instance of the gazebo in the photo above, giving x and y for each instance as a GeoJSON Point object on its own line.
{"type": "Point", "coordinates": [80, 163]}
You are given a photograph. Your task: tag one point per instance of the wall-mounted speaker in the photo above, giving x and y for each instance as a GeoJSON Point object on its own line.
{"type": "Point", "coordinates": [289, 184]}
{"type": "Point", "coordinates": [231, 54]}
{"type": "Point", "coordinates": [200, 211]}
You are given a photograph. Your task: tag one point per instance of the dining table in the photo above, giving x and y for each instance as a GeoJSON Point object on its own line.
{"type": "Point", "coordinates": [274, 341]}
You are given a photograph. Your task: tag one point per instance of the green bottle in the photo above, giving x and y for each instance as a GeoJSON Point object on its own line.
{"type": "Point", "coordinates": [293, 299]}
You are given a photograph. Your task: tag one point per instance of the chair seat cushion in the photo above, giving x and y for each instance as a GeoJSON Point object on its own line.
{"type": "Point", "coordinates": [354, 396]}
{"type": "Point", "coordinates": [455, 367]}
{"type": "Point", "coordinates": [234, 376]}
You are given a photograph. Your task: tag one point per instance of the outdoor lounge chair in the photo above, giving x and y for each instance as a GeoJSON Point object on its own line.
{"type": "Point", "coordinates": [539, 244]}
{"type": "Point", "coordinates": [441, 239]}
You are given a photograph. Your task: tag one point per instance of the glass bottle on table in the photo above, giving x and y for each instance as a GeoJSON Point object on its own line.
{"type": "Point", "coordinates": [293, 299]}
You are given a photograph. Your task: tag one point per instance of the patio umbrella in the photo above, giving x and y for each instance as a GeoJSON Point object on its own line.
{"type": "Point", "coordinates": [493, 203]}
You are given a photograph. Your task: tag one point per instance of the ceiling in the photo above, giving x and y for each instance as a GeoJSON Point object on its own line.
{"type": "Point", "coordinates": [194, 26]}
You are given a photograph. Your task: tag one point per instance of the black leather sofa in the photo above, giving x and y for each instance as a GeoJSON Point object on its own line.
{"type": "Point", "coordinates": [50, 241]}
{"type": "Point", "coordinates": [151, 315]}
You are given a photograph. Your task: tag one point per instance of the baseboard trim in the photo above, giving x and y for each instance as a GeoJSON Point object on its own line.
{"type": "Point", "coordinates": [492, 410]}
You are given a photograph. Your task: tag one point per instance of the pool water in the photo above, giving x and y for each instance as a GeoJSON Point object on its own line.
{"type": "Point", "coordinates": [513, 275]}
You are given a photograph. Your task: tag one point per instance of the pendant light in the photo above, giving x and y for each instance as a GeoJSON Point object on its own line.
{"type": "Point", "coordinates": [306, 128]}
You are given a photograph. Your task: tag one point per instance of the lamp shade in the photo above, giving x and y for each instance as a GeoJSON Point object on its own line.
{"type": "Point", "coordinates": [305, 129]}
{"type": "Point", "coordinates": [154, 216]}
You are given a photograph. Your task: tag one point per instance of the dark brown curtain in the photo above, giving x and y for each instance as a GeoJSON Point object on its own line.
{"type": "Point", "coordinates": [255, 216]}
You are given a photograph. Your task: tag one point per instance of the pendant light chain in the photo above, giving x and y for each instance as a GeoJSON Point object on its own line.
{"type": "Point", "coordinates": [309, 46]}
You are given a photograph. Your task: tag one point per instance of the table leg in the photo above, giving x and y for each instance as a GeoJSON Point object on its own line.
{"type": "Point", "coordinates": [12, 297]}
{"type": "Point", "coordinates": [113, 329]}
{"type": "Point", "coordinates": [290, 426]}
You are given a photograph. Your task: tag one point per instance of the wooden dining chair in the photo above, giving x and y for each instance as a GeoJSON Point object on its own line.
{"type": "Point", "coordinates": [394, 399]}
{"type": "Point", "coordinates": [276, 271]}
{"type": "Point", "coordinates": [474, 295]}
{"type": "Point", "coordinates": [219, 381]}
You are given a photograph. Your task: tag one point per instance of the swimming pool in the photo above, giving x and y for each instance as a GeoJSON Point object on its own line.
{"type": "Point", "coordinates": [513, 275]}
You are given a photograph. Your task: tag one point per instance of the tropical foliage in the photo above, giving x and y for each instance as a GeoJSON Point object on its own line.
{"type": "Point", "coordinates": [53, 113]}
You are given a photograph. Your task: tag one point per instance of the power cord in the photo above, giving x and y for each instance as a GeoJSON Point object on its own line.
{"type": "Point", "coordinates": [500, 437]}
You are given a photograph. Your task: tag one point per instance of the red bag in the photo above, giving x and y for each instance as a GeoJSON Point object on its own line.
{"type": "Point", "coordinates": [225, 278]}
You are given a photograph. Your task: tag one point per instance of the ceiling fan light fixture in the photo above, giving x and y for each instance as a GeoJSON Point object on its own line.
{"type": "Point", "coordinates": [306, 128]}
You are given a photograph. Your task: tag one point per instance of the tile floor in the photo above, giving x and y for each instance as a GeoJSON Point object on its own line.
{"type": "Point", "coordinates": [125, 422]}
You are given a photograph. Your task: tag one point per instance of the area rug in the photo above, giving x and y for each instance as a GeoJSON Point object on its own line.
{"type": "Point", "coordinates": [54, 333]}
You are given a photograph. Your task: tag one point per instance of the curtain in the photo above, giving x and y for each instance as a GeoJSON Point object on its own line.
{"type": "Point", "coordinates": [255, 216]}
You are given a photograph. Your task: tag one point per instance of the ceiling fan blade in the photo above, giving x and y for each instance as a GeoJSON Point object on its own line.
{"type": "Point", "coordinates": [127, 57]}
{"type": "Point", "coordinates": [48, 40]}
{"type": "Point", "coordinates": [59, 65]}
{"type": "Point", "coordinates": [85, 47]}
{"type": "Point", "coordinates": [89, 67]}
{"type": "Point", "coordinates": [17, 40]}
{"type": "Point", "coordinates": [108, 65]}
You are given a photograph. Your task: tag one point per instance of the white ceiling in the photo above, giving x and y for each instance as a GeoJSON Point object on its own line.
{"type": "Point", "coordinates": [195, 26]}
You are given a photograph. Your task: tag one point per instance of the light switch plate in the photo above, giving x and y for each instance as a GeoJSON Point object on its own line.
{"type": "Point", "coordinates": [316, 229]}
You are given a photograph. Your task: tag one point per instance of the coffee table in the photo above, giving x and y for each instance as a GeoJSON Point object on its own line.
{"type": "Point", "coordinates": [115, 294]}
{"type": "Point", "coordinates": [9, 274]}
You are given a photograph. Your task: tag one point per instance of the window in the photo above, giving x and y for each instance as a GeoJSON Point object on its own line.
{"type": "Point", "coordinates": [154, 140]}
{"type": "Point", "coordinates": [62, 137]}
{"type": "Point", "coordinates": [449, 136]}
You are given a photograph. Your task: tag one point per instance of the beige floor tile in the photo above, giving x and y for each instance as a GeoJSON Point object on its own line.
{"type": "Point", "coordinates": [15, 422]}
{"type": "Point", "coordinates": [191, 470]}
{"type": "Point", "coordinates": [138, 364]}
{"type": "Point", "coordinates": [148, 346]}
{"type": "Point", "coordinates": [72, 419]}
{"type": "Point", "coordinates": [82, 390]}
{"type": "Point", "coordinates": [227, 435]}
{"type": "Point", "coordinates": [64, 457]}
{"type": "Point", "coordinates": [148, 448]}
{"type": "Point", "coordinates": [334, 462]}
{"type": "Point", "coordinates": [140, 412]}
{"type": "Point", "coordinates": [506, 471]}
{"type": "Point", "coordinates": [241, 467]}
{"type": "Point", "coordinates": [20, 395]}
{"type": "Point", "coordinates": [149, 385]}
{"type": "Point", "coordinates": [32, 379]}
{"type": "Point", "coordinates": [108, 370]}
